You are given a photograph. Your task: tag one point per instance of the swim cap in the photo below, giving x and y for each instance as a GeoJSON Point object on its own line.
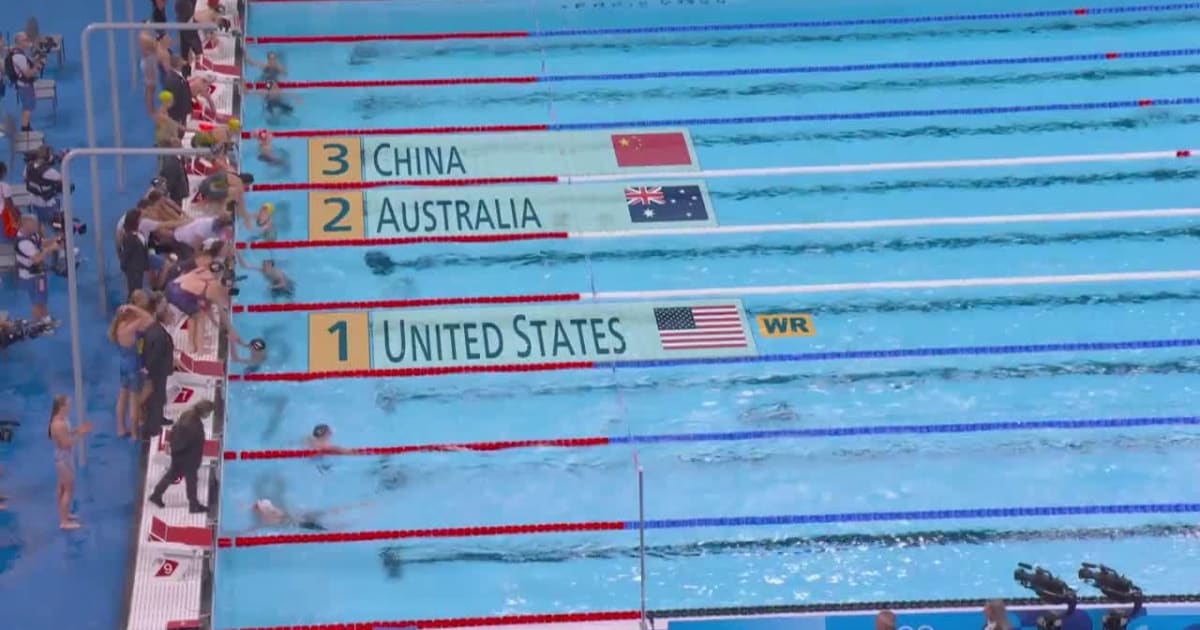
{"type": "Point", "coordinates": [234, 124]}
{"type": "Point", "coordinates": [165, 96]}
{"type": "Point", "coordinates": [264, 505]}
{"type": "Point", "coordinates": [269, 207]}
{"type": "Point", "coordinates": [258, 344]}
{"type": "Point", "coordinates": [262, 134]}
{"type": "Point", "coordinates": [321, 430]}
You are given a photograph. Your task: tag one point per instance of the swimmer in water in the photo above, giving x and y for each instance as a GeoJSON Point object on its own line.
{"type": "Point", "coordinates": [258, 352]}
{"type": "Point", "coordinates": [266, 152]}
{"type": "Point", "coordinates": [772, 412]}
{"type": "Point", "coordinates": [267, 514]}
{"type": "Point", "coordinates": [278, 103]}
{"type": "Point", "coordinates": [265, 222]}
{"type": "Point", "coordinates": [272, 69]}
{"type": "Point", "coordinates": [280, 285]}
{"type": "Point", "coordinates": [322, 440]}
{"type": "Point", "coordinates": [379, 263]}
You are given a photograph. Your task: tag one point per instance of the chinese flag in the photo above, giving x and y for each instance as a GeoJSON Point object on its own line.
{"type": "Point", "coordinates": [651, 149]}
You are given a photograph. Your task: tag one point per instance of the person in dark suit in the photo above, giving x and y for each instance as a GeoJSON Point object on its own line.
{"type": "Point", "coordinates": [170, 168]}
{"type": "Point", "coordinates": [181, 93]}
{"type": "Point", "coordinates": [187, 453]}
{"type": "Point", "coordinates": [158, 361]}
{"type": "Point", "coordinates": [189, 41]}
{"type": "Point", "coordinates": [135, 257]}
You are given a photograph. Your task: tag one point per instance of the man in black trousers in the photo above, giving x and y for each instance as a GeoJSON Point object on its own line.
{"type": "Point", "coordinates": [187, 453]}
{"type": "Point", "coordinates": [158, 360]}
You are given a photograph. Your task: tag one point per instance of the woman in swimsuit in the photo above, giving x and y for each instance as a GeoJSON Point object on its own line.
{"type": "Point", "coordinates": [126, 331]}
{"type": "Point", "coordinates": [65, 438]}
{"type": "Point", "coordinates": [191, 293]}
{"type": "Point", "coordinates": [272, 70]}
{"type": "Point", "coordinates": [153, 47]}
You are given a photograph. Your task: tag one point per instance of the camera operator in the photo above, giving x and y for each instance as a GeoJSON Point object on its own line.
{"type": "Point", "coordinates": [44, 183]}
{"type": "Point", "coordinates": [31, 270]}
{"type": "Point", "coordinates": [22, 68]}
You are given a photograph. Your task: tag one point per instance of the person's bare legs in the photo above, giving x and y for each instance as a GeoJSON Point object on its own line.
{"type": "Point", "coordinates": [122, 403]}
{"type": "Point", "coordinates": [194, 324]}
{"type": "Point", "coordinates": [66, 520]}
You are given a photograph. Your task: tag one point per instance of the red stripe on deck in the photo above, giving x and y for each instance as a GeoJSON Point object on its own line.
{"type": "Point", "coordinates": [401, 131]}
{"type": "Point", "coordinates": [405, 240]}
{"type": "Point", "coordinates": [476, 181]}
{"type": "Point", "coordinates": [303, 377]}
{"type": "Point", "coordinates": [532, 298]}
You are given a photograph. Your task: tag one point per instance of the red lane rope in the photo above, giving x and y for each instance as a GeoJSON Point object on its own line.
{"type": "Point", "coordinates": [409, 303]}
{"type": "Point", "coordinates": [400, 131]}
{"type": "Point", "coordinates": [467, 622]}
{"type": "Point", "coordinates": [421, 448]}
{"type": "Point", "coordinates": [348, 39]}
{"type": "Point", "coordinates": [440, 532]}
{"type": "Point", "coordinates": [405, 240]}
{"type": "Point", "coordinates": [394, 82]}
{"type": "Point", "coordinates": [477, 181]}
{"type": "Point", "coordinates": [302, 377]}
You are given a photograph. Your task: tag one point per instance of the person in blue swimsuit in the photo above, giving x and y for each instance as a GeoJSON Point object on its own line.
{"type": "Point", "coordinates": [126, 331]}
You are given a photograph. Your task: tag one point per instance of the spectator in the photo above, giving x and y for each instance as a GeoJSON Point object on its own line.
{"type": "Point", "coordinates": [125, 331]}
{"type": "Point", "coordinates": [189, 41]}
{"type": "Point", "coordinates": [186, 443]}
{"type": "Point", "coordinates": [995, 615]}
{"type": "Point", "coordinates": [31, 270]}
{"type": "Point", "coordinates": [64, 439]}
{"type": "Point", "coordinates": [22, 70]}
{"type": "Point", "coordinates": [133, 253]}
{"type": "Point", "coordinates": [158, 362]}
{"type": "Point", "coordinates": [885, 620]}
{"type": "Point", "coordinates": [176, 84]}
{"type": "Point", "coordinates": [190, 236]}
{"type": "Point", "coordinates": [44, 183]}
{"type": "Point", "coordinates": [191, 293]}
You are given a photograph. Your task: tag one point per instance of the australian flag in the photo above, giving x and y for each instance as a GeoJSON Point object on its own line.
{"type": "Point", "coordinates": [651, 204]}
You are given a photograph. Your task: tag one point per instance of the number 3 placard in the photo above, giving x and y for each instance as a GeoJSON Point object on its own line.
{"type": "Point", "coordinates": [338, 342]}
{"type": "Point", "coordinates": [334, 160]}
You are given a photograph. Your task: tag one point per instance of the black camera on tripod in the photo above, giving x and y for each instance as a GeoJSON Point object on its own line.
{"type": "Point", "coordinates": [1050, 589]}
{"type": "Point", "coordinates": [21, 329]}
{"type": "Point", "coordinates": [229, 278]}
{"type": "Point", "coordinates": [1116, 587]}
{"type": "Point", "coordinates": [58, 222]}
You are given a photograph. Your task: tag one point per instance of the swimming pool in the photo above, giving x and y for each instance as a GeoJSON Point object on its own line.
{"type": "Point", "coordinates": [887, 382]}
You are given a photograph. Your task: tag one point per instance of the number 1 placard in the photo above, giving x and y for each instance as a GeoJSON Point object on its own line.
{"type": "Point", "coordinates": [338, 342]}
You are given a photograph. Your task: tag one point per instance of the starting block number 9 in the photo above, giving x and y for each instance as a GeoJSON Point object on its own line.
{"type": "Point", "coordinates": [334, 160]}
{"type": "Point", "coordinates": [338, 342]}
{"type": "Point", "coordinates": [335, 216]}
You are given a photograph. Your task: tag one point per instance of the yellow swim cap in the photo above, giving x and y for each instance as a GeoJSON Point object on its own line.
{"type": "Point", "coordinates": [269, 207]}
{"type": "Point", "coordinates": [234, 124]}
{"type": "Point", "coordinates": [165, 96]}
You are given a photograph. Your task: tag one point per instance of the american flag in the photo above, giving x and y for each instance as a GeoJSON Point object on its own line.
{"type": "Point", "coordinates": [700, 327]}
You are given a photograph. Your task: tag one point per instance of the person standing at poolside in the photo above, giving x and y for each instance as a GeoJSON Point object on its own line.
{"type": "Point", "coordinates": [65, 438]}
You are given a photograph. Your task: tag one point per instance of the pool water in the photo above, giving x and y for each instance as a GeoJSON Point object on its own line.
{"type": "Point", "coordinates": [873, 445]}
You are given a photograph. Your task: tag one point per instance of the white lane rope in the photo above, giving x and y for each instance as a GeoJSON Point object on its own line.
{"type": "Point", "coordinates": [892, 285]}
{"type": "Point", "coordinates": [995, 219]}
{"type": "Point", "coordinates": [1031, 160]}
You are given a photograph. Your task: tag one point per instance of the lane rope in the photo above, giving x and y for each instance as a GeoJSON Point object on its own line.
{"type": "Point", "coordinates": [717, 521]}
{"type": "Point", "coordinates": [710, 28]}
{"type": "Point", "coordinates": [719, 230]}
{"type": "Point", "coordinates": [766, 171]}
{"type": "Point", "coordinates": [735, 72]}
{"type": "Point", "coordinates": [801, 357]}
{"type": "Point", "coordinates": [731, 436]}
{"type": "Point", "coordinates": [600, 296]}
{"type": "Point", "coordinates": [985, 110]}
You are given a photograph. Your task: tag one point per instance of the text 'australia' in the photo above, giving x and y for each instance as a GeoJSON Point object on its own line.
{"type": "Point", "coordinates": [398, 216]}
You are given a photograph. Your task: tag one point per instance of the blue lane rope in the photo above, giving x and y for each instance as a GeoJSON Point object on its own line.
{"type": "Point", "coordinates": [899, 113]}
{"type": "Point", "coordinates": [802, 357]}
{"type": "Point", "coordinates": [892, 429]}
{"type": "Point", "coordinates": [920, 19]}
{"type": "Point", "coordinates": [866, 67]}
{"type": "Point", "coordinates": [919, 515]}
